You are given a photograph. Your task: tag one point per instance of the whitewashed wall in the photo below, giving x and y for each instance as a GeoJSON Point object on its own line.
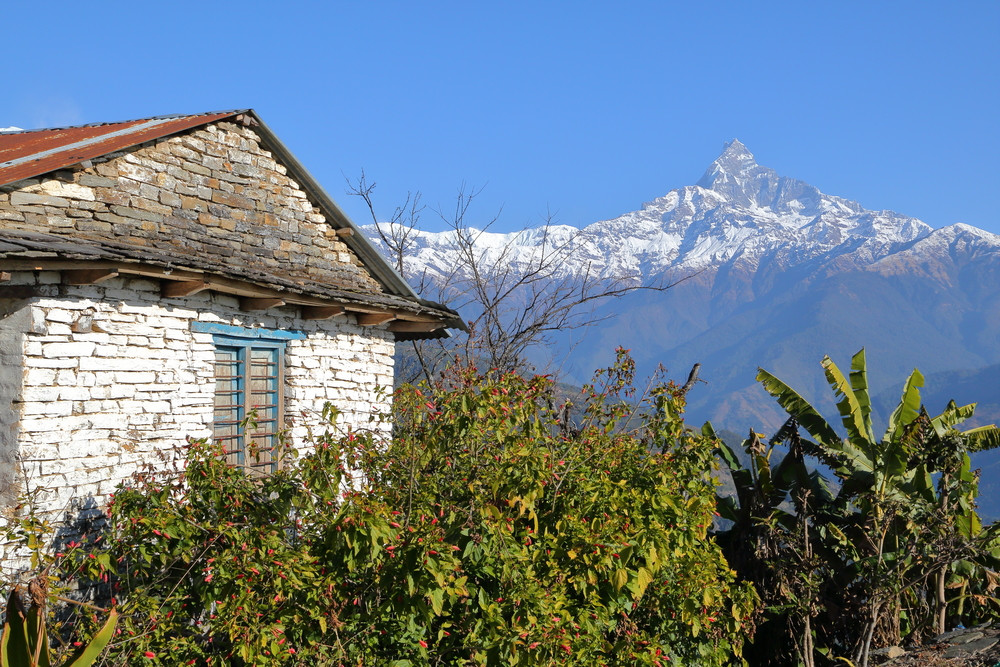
{"type": "Point", "coordinates": [112, 377]}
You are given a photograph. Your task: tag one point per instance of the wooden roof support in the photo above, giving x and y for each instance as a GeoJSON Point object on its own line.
{"type": "Point", "coordinates": [173, 288]}
{"type": "Point", "coordinates": [179, 282]}
{"type": "Point", "coordinates": [87, 276]}
{"type": "Point", "coordinates": [18, 291]}
{"type": "Point", "coordinates": [321, 312]}
{"type": "Point", "coordinates": [248, 303]}
{"type": "Point", "coordinates": [374, 319]}
{"type": "Point", "coordinates": [4, 276]}
{"type": "Point", "coordinates": [345, 231]}
{"type": "Point", "coordinates": [404, 326]}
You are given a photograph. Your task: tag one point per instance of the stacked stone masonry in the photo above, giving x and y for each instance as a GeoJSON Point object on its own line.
{"type": "Point", "coordinates": [99, 381]}
{"type": "Point", "coordinates": [212, 197]}
{"type": "Point", "coordinates": [114, 379]}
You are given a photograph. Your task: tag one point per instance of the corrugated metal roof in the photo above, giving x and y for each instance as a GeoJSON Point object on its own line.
{"type": "Point", "coordinates": [35, 152]}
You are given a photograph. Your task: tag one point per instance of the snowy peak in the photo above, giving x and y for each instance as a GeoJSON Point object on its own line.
{"type": "Point", "coordinates": [736, 176]}
{"type": "Point", "coordinates": [740, 216]}
{"type": "Point", "coordinates": [736, 163]}
{"type": "Point", "coordinates": [746, 185]}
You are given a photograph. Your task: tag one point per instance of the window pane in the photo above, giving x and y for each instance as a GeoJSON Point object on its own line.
{"type": "Point", "coordinates": [263, 400]}
{"type": "Point", "coordinates": [229, 403]}
{"type": "Point", "coordinates": [248, 414]}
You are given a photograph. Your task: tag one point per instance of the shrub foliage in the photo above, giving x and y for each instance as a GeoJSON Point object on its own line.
{"type": "Point", "coordinates": [487, 531]}
{"type": "Point", "coordinates": [876, 542]}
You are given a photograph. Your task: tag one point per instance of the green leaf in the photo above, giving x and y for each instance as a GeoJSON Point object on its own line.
{"type": "Point", "coordinates": [620, 578]}
{"type": "Point", "coordinates": [908, 408]}
{"type": "Point", "coordinates": [642, 580]}
{"type": "Point", "coordinates": [38, 637]}
{"type": "Point", "coordinates": [728, 456]}
{"type": "Point", "coordinates": [851, 414]}
{"type": "Point", "coordinates": [859, 385]}
{"type": "Point", "coordinates": [953, 414]}
{"type": "Point", "coordinates": [796, 406]}
{"type": "Point", "coordinates": [437, 601]}
{"type": "Point", "coordinates": [89, 654]}
{"type": "Point", "coordinates": [16, 644]}
{"type": "Point", "coordinates": [983, 438]}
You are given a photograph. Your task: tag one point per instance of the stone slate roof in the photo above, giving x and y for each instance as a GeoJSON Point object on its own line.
{"type": "Point", "coordinates": [245, 219]}
{"type": "Point", "coordinates": [42, 245]}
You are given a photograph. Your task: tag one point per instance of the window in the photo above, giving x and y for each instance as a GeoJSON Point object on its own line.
{"type": "Point", "coordinates": [248, 393]}
{"type": "Point", "coordinates": [249, 379]}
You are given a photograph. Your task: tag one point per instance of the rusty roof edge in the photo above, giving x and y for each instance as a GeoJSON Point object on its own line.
{"type": "Point", "coordinates": [358, 242]}
{"type": "Point", "coordinates": [173, 116]}
{"type": "Point", "coordinates": [144, 124]}
{"type": "Point", "coordinates": [149, 124]}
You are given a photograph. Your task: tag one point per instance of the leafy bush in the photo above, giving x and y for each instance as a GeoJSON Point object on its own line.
{"type": "Point", "coordinates": [485, 532]}
{"type": "Point", "coordinates": [881, 544]}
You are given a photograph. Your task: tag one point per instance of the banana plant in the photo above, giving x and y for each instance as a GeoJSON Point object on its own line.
{"type": "Point", "coordinates": [893, 466]}
{"type": "Point", "coordinates": [887, 486]}
{"type": "Point", "coordinates": [777, 500]}
{"type": "Point", "coordinates": [25, 641]}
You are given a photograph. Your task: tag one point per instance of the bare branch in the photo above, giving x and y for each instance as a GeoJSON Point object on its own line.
{"type": "Point", "coordinates": [692, 379]}
{"type": "Point", "coordinates": [517, 292]}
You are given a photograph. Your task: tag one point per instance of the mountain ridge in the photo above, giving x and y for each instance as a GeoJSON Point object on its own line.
{"type": "Point", "coordinates": [739, 211]}
{"type": "Point", "coordinates": [773, 271]}
{"type": "Point", "coordinates": [767, 271]}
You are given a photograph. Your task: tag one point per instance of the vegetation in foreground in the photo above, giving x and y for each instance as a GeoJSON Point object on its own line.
{"type": "Point", "coordinates": [485, 532]}
{"type": "Point", "coordinates": [878, 544]}
{"type": "Point", "coordinates": [491, 531]}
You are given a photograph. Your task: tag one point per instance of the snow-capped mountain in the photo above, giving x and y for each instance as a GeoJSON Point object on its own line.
{"type": "Point", "coordinates": [779, 275]}
{"type": "Point", "coordinates": [739, 212]}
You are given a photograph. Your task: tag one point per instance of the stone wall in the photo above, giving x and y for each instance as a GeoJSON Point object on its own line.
{"type": "Point", "coordinates": [114, 379]}
{"type": "Point", "coordinates": [15, 320]}
{"type": "Point", "coordinates": [211, 198]}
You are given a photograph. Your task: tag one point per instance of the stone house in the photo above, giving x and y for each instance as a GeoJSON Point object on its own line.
{"type": "Point", "coordinates": [167, 278]}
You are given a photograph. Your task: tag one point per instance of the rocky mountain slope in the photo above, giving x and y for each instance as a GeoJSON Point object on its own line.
{"type": "Point", "coordinates": [775, 274]}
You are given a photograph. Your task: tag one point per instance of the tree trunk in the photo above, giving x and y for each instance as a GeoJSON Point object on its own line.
{"type": "Point", "coordinates": [865, 648]}
{"type": "Point", "coordinates": [942, 602]}
{"type": "Point", "coordinates": [807, 643]}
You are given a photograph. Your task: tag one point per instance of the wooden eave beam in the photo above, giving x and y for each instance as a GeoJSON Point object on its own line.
{"type": "Point", "coordinates": [185, 282]}
{"type": "Point", "coordinates": [5, 276]}
{"type": "Point", "coordinates": [249, 303]}
{"type": "Point", "coordinates": [402, 326]}
{"type": "Point", "coordinates": [18, 291]}
{"type": "Point", "coordinates": [87, 276]}
{"type": "Point", "coordinates": [374, 319]}
{"type": "Point", "coordinates": [321, 312]}
{"type": "Point", "coordinates": [175, 288]}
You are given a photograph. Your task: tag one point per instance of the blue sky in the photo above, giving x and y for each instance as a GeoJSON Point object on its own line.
{"type": "Point", "coordinates": [583, 109]}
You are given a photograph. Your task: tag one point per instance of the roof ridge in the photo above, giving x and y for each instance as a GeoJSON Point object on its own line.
{"type": "Point", "coordinates": [132, 120]}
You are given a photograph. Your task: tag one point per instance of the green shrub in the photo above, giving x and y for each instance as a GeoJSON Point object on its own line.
{"type": "Point", "coordinates": [879, 546]}
{"type": "Point", "coordinates": [485, 532]}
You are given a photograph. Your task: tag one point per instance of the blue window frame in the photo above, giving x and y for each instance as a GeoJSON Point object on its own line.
{"type": "Point", "coordinates": [249, 396]}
